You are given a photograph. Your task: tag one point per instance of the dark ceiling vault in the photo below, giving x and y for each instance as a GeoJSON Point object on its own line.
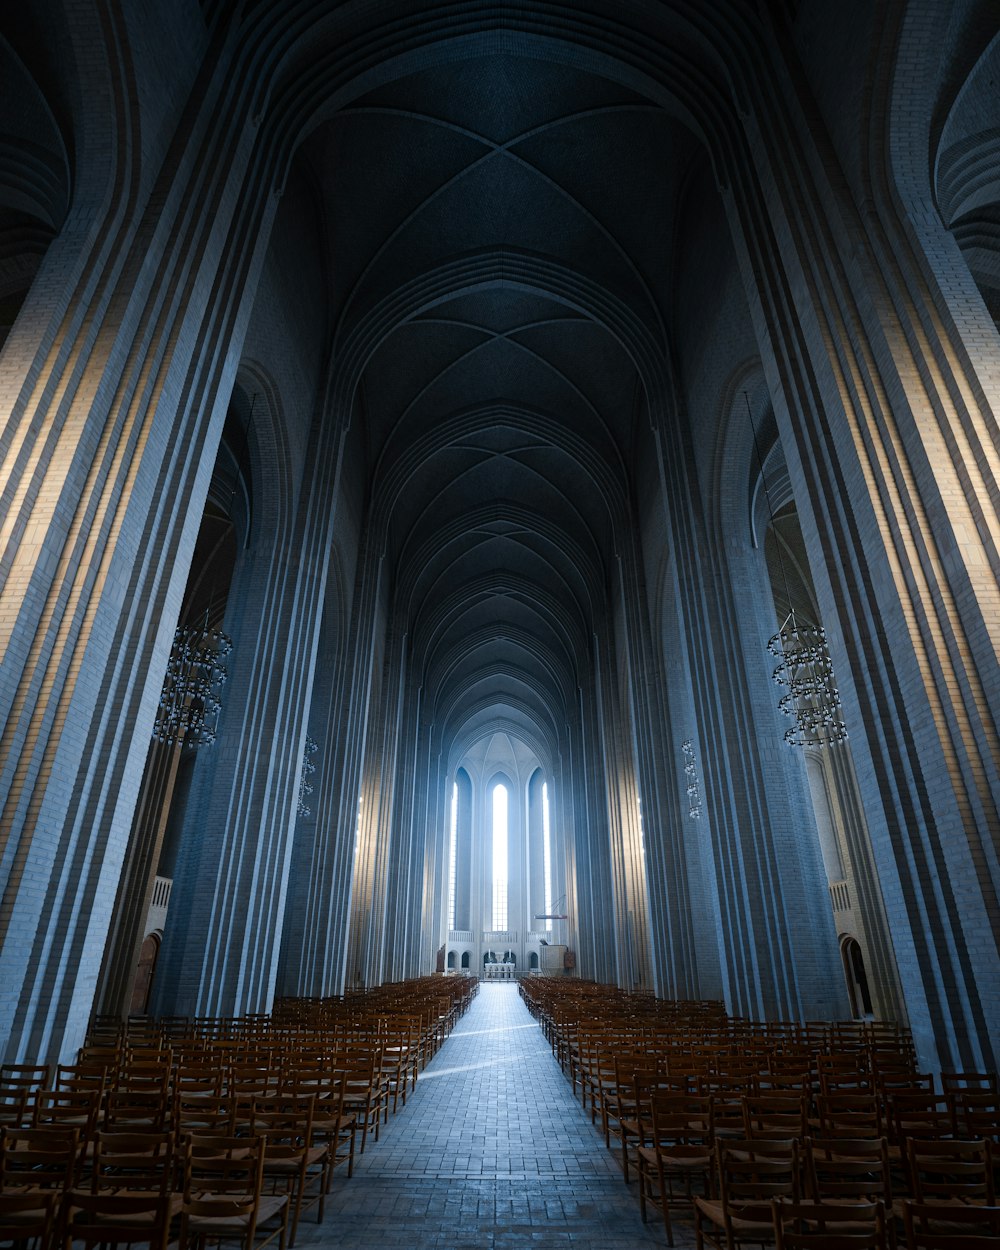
{"type": "Point", "coordinates": [496, 292]}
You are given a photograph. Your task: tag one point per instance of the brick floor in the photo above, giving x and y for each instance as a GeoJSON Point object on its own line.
{"type": "Point", "coordinates": [492, 1152]}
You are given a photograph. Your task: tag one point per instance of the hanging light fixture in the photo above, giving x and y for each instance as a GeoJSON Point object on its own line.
{"type": "Point", "coordinates": [308, 768]}
{"type": "Point", "coordinates": [190, 701]}
{"type": "Point", "coordinates": [691, 772]}
{"type": "Point", "coordinates": [805, 666]}
{"type": "Point", "coordinates": [806, 670]}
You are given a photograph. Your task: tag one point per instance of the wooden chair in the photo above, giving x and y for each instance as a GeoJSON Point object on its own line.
{"type": "Point", "coordinates": [848, 1170]}
{"type": "Point", "coordinates": [929, 1226]}
{"type": "Point", "coordinates": [224, 1195]}
{"type": "Point", "coordinates": [333, 1125]}
{"type": "Point", "coordinates": [366, 1091]}
{"type": "Point", "coordinates": [88, 1077]}
{"type": "Point", "coordinates": [402, 1054]}
{"type": "Point", "coordinates": [192, 1079]}
{"type": "Point", "coordinates": [119, 1219]}
{"type": "Point", "coordinates": [828, 1226]}
{"type": "Point", "coordinates": [14, 1109]}
{"type": "Point", "coordinates": [294, 1164]}
{"type": "Point", "coordinates": [67, 1110]}
{"type": "Point", "coordinates": [133, 1110]}
{"type": "Point", "coordinates": [975, 1113]}
{"type": "Point", "coordinates": [30, 1078]}
{"type": "Point", "coordinates": [28, 1217]}
{"type": "Point", "coordinates": [951, 1171]}
{"type": "Point", "coordinates": [136, 1163]}
{"type": "Point", "coordinates": [918, 1114]}
{"type": "Point", "coordinates": [40, 1159]}
{"type": "Point", "coordinates": [203, 1114]}
{"type": "Point", "coordinates": [634, 1126]}
{"type": "Point", "coordinates": [977, 1082]}
{"type": "Point", "coordinates": [618, 1096]}
{"type": "Point", "coordinates": [778, 1116]}
{"type": "Point", "coordinates": [852, 1115]}
{"type": "Point", "coordinates": [750, 1175]}
{"type": "Point", "coordinates": [726, 1115]}
{"type": "Point", "coordinates": [679, 1155]}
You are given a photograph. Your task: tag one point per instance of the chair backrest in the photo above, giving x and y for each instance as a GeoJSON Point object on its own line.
{"type": "Point", "coordinates": [680, 1118]}
{"type": "Point", "coordinates": [14, 1108]}
{"type": "Point", "coordinates": [849, 1168]}
{"type": "Point", "coordinates": [28, 1216]}
{"type": "Point", "coordinates": [223, 1165]}
{"type": "Point", "coordinates": [68, 1109]}
{"type": "Point", "coordinates": [126, 1108]}
{"type": "Point", "coordinates": [43, 1158]}
{"type": "Point", "coordinates": [103, 1217]}
{"type": "Point", "coordinates": [32, 1076]}
{"type": "Point", "coordinates": [776, 1115]}
{"type": "Point", "coordinates": [134, 1161]}
{"type": "Point", "coordinates": [81, 1076]}
{"type": "Point", "coordinates": [285, 1123]}
{"type": "Point", "coordinates": [752, 1173]}
{"type": "Point", "coordinates": [951, 1226]}
{"type": "Point", "coordinates": [828, 1226]}
{"type": "Point", "coordinates": [203, 1113]}
{"type": "Point", "coordinates": [943, 1170]}
{"type": "Point", "coordinates": [981, 1082]}
{"type": "Point", "coordinates": [849, 1115]}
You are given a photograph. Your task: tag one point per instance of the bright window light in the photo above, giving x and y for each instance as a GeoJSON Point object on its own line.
{"type": "Point", "coordinates": [453, 856]}
{"type": "Point", "coordinates": [499, 857]}
{"type": "Point", "coordinates": [546, 852]}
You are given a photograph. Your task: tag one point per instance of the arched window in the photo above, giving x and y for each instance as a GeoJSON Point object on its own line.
{"type": "Point", "coordinates": [465, 959]}
{"type": "Point", "coordinates": [451, 959]}
{"type": "Point", "coordinates": [453, 856]}
{"type": "Point", "coordinates": [459, 853]}
{"type": "Point", "coordinates": [546, 852]}
{"type": "Point", "coordinates": [500, 862]}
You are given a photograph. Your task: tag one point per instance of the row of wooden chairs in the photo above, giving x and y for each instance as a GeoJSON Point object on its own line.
{"type": "Point", "coordinates": [792, 1225]}
{"type": "Point", "coordinates": [235, 1131]}
{"type": "Point", "coordinates": [687, 1101]}
{"type": "Point", "coordinates": [246, 1190]}
{"type": "Point", "coordinates": [306, 1140]}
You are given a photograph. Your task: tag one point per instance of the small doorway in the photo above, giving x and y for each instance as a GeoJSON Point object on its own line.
{"type": "Point", "coordinates": [856, 976]}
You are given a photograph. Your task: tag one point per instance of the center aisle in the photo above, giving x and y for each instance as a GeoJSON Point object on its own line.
{"type": "Point", "coordinates": [491, 1151]}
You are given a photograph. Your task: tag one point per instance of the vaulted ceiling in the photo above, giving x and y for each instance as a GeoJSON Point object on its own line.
{"type": "Point", "coordinates": [499, 235]}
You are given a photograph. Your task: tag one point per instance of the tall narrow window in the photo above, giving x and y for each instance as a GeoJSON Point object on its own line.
{"type": "Point", "coordinates": [499, 857]}
{"type": "Point", "coordinates": [546, 852]}
{"type": "Point", "coordinates": [453, 856]}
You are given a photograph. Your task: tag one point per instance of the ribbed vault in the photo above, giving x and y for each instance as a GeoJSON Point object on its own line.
{"type": "Point", "coordinates": [499, 309]}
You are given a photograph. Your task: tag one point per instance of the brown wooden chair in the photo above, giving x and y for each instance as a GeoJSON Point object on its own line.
{"type": "Point", "coordinates": [930, 1226]}
{"type": "Point", "coordinates": [68, 1109]}
{"type": "Point", "coordinates": [40, 1159]}
{"type": "Point", "coordinates": [333, 1125]}
{"type": "Point", "coordinates": [136, 1163]}
{"type": "Point", "coordinates": [778, 1116]}
{"type": "Point", "coordinates": [750, 1175]}
{"type": "Point", "coordinates": [114, 1218]}
{"type": "Point", "coordinates": [951, 1171]}
{"type": "Point", "coordinates": [852, 1115]}
{"type": "Point", "coordinates": [294, 1163]}
{"type": "Point", "coordinates": [14, 1109]}
{"type": "Point", "coordinates": [224, 1195]}
{"type": "Point", "coordinates": [28, 1217]}
{"type": "Point", "coordinates": [848, 1170]}
{"type": "Point", "coordinates": [828, 1226]}
{"type": "Point", "coordinates": [678, 1159]}
{"type": "Point", "coordinates": [366, 1090]}
{"type": "Point", "coordinates": [634, 1127]}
